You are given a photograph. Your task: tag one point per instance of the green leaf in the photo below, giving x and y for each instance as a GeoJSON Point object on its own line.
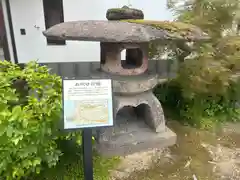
{"type": "Point", "coordinates": [15, 141]}
{"type": "Point", "coordinates": [10, 131]}
{"type": "Point", "coordinates": [4, 114]}
{"type": "Point", "coordinates": [2, 129]}
{"type": "Point", "coordinates": [36, 161]}
{"type": "Point", "coordinates": [78, 138]}
{"type": "Point", "coordinates": [26, 163]}
{"type": "Point", "coordinates": [38, 170]}
{"type": "Point", "coordinates": [16, 113]}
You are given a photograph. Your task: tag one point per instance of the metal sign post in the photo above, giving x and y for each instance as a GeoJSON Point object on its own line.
{"type": "Point", "coordinates": [87, 154]}
{"type": "Point", "coordinates": [87, 104]}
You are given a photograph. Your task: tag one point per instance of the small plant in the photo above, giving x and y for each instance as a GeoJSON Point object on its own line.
{"type": "Point", "coordinates": [30, 115]}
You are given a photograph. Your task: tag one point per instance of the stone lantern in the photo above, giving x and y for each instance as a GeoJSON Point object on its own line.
{"type": "Point", "coordinates": [132, 81]}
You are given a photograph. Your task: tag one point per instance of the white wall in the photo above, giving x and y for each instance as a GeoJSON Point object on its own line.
{"type": "Point", "coordinates": [7, 28]}
{"type": "Point", "coordinates": [33, 46]}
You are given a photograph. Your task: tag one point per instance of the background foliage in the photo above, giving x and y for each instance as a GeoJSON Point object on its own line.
{"type": "Point", "coordinates": [206, 89]}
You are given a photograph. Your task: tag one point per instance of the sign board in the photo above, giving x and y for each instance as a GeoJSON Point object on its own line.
{"type": "Point", "coordinates": [87, 103]}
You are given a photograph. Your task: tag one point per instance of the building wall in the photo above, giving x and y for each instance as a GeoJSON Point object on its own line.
{"type": "Point", "coordinates": [7, 29]}
{"type": "Point", "coordinates": [29, 14]}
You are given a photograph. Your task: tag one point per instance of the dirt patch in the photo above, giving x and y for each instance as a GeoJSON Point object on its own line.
{"type": "Point", "coordinates": [198, 155]}
{"type": "Point", "coordinates": [136, 162]}
{"type": "Point", "coordinates": [225, 161]}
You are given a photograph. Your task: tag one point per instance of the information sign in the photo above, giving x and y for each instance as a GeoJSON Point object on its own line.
{"type": "Point", "coordinates": [87, 103]}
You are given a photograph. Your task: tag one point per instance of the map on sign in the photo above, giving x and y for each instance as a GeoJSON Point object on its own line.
{"type": "Point", "coordinates": [87, 103]}
{"type": "Point", "coordinates": [89, 112]}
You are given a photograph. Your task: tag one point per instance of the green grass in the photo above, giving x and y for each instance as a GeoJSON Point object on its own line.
{"type": "Point", "coordinates": [70, 166]}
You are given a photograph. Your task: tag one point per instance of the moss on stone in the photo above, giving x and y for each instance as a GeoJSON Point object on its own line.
{"type": "Point", "coordinates": [175, 29]}
{"type": "Point", "coordinates": [124, 8]}
{"type": "Point", "coordinates": [116, 10]}
{"type": "Point", "coordinates": [124, 13]}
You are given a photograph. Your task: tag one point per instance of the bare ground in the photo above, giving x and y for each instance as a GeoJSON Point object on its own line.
{"type": "Point", "coordinates": [198, 155]}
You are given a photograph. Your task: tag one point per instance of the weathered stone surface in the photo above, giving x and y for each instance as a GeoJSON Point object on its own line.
{"type": "Point", "coordinates": [140, 140]}
{"type": "Point", "coordinates": [147, 115]}
{"type": "Point", "coordinates": [123, 31]}
{"type": "Point", "coordinates": [152, 111]}
{"type": "Point", "coordinates": [135, 85]}
{"type": "Point", "coordinates": [124, 13]}
{"type": "Point", "coordinates": [111, 55]}
{"type": "Point", "coordinates": [105, 31]}
{"type": "Point", "coordinates": [127, 85]}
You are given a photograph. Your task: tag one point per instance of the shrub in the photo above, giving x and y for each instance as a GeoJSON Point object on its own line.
{"type": "Point", "coordinates": [197, 102]}
{"type": "Point", "coordinates": [208, 83]}
{"type": "Point", "coordinates": [30, 112]}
